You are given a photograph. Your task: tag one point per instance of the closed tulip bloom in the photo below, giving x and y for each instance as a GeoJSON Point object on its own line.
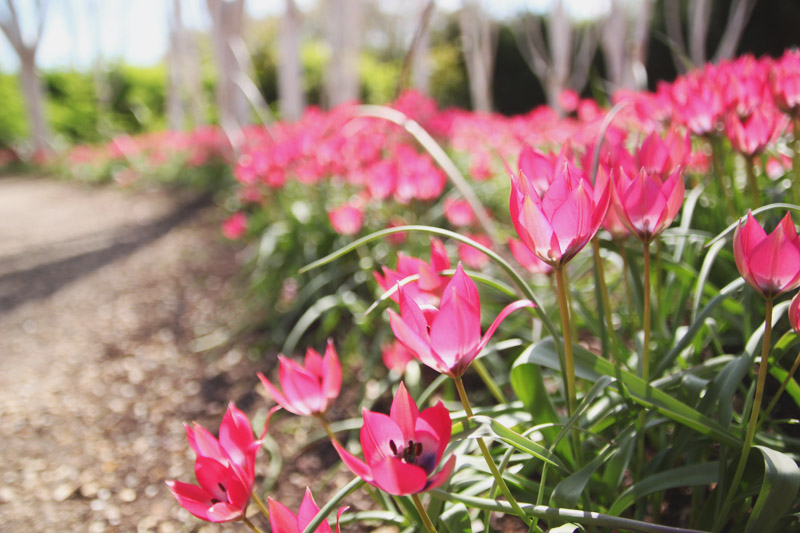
{"type": "Point", "coordinates": [447, 339]}
{"type": "Point", "coordinates": [645, 203]}
{"type": "Point", "coordinates": [309, 389]}
{"type": "Point", "coordinates": [283, 520]}
{"type": "Point", "coordinates": [402, 451]}
{"type": "Point", "coordinates": [346, 219]}
{"type": "Point", "coordinates": [794, 312]}
{"type": "Point", "coordinates": [555, 220]}
{"type": "Point", "coordinates": [769, 263]}
{"type": "Point", "coordinates": [751, 136]}
{"type": "Point", "coordinates": [225, 469]}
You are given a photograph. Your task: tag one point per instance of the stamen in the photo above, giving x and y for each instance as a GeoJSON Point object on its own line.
{"type": "Point", "coordinates": [393, 446]}
{"type": "Point", "coordinates": [222, 487]}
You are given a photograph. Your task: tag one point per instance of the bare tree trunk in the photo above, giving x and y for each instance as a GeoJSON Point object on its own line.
{"type": "Point", "coordinates": [737, 20]}
{"type": "Point", "coordinates": [290, 68]}
{"type": "Point", "coordinates": [344, 37]}
{"type": "Point", "coordinates": [624, 41]}
{"type": "Point", "coordinates": [420, 62]}
{"type": "Point", "coordinates": [29, 78]}
{"type": "Point", "coordinates": [227, 19]}
{"type": "Point", "coordinates": [175, 54]}
{"type": "Point", "coordinates": [479, 39]}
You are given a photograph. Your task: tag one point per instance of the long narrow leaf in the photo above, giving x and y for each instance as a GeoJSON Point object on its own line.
{"type": "Point", "coordinates": [778, 491]}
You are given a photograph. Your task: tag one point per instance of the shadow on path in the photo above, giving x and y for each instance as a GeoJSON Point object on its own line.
{"type": "Point", "coordinates": [22, 285]}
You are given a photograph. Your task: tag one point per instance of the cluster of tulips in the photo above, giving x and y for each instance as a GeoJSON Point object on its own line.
{"type": "Point", "coordinates": [598, 180]}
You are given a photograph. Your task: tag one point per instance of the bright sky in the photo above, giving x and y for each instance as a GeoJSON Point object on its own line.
{"type": "Point", "coordinates": [75, 31]}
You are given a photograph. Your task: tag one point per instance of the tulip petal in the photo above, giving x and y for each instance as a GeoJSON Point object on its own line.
{"type": "Point", "coordinates": [331, 374]}
{"type": "Point", "coordinates": [203, 443]}
{"type": "Point", "coordinates": [356, 465]}
{"type": "Point", "coordinates": [436, 420]}
{"type": "Point", "coordinates": [212, 477]}
{"type": "Point", "coordinates": [377, 433]}
{"type": "Point", "coordinates": [404, 412]}
{"type": "Point", "coordinates": [507, 310]}
{"type": "Point", "coordinates": [281, 518]}
{"type": "Point", "coordinates": [281, 399]}
{"type": "Point", "coordinates": [456, 330]}
{"type": "Point", "coordinates": [398, 478]}
{"type": "Point", "coordinates": [223, 512]}
{"type": "Point", "coordinates": [301, 387]}
{"type": "Point", "coordinates": [236, 436]}
{"type": "Point", "coordinates": [437, 479]}
{"type": "Point", "coordinates": [313, 362]}
{"type": "Point", "coordinates": [418, 346]}
{"type": "Point", "coordinates": [308, 510]}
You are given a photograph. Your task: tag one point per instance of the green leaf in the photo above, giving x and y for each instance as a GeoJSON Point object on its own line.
{"type": "Point", "coordinates": [523, 444]}
{"type": "Point", "coordinates": [684, 476]}
{"type": "Point", "coordinates": [456, 519]}
{"type": "Point", "coordinates": [589, 366]}
{"type": "Point", "coordinates": [778, 492]}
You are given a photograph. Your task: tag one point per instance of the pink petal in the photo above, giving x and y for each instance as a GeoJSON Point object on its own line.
{"type": "Point", "coordinates": [507, 310]}
{"type": "Point", "coordinates": [439, 258]}
{"type": "Point", "coordinates": [224, 512]}
{"type": "Point", "coordinates": [281, 518]}
{"type": "Point", "coordinates": [356, 465]}
{"type": "Point", "coordinates": [339, 514]}
{"type": "Point", "coordinates": [281, 399]}
{"type": "Point", "coordinates": [437, 479]}
{"type": "Point", "coordinates": [236, 436]}
{"type": "Point", "coordinates": [377, 433]}
{"type": "Point", "coordinates": [301, 387]}
{"type": "Point", "coordinates": [398, 478]}
{"type": "Point", "coordinates": [313, 362]}
{"type": "Point", "coordinates": [415, 344]}
{"type": "Point", "coordinates": [212, 476]}
{"type": "Point", "coordinates": [203, 442]}
{"type": "Point", "coordinates": [331, 373]}
{"type": "Point", "coordinates": [436, 420]}
{"type": "Point", "coordinates": [308, 510]}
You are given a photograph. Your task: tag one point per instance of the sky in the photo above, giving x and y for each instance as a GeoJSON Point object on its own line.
{"type": "Point", "coordinates": [135, 31]}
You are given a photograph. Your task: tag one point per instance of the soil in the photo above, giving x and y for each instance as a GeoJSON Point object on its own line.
{"type": "Point", "coordinates": [117, 314]}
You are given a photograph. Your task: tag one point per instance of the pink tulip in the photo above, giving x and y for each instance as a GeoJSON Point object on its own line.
{"type": "Point", "coordinates": [528, 259]}
{"type": "Point", "coordinates": [428, 288]}
{"type": "Point", "coordinates": [447, 339]}
{"type": "Point", "coordinates": [225, 469]}
{"type": "Point", "coordinates": [794, 312]}
{"type": "Point", "coordinates": [555, 216]}
{"type": "Point", "coordinates": [396, 357]}
{"type": "Point", "coordinates": [785, 84]}
{"type": "Point", "coordinates": [235, 226]}
{"type": "Point", "coordinates": [346, 219]}
{"type": "Point", "coordinates": [282, 520]}
{"type": "Point", "coordinates": [458, 212]}
{"type": "Point", "coordinates": [309, 389]}
{"type": "Point", "coordinates": [752, 135]}
{"type": "Point", "coordinates": [646, 204]}
{"type": "Point", "coordinates": [769, 263]}
{"type": "Point", "coordinates": [403, 450]}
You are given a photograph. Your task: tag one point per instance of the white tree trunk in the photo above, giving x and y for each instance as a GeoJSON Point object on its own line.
{"type": "Point", "coordinates": [175, 54]}
{"type": "Point", "coordinates": [344, 37]}
{"type": "Point", "coordinates": [34, 99]}
{"type": "Point", "coordinates": [227, 19]}
{"type": "Point", "coordinates": [480, 46]}
{"type": "Point", "coordinates": [420, 63]}
{"type": "Point", "coordinates": [290, 68]}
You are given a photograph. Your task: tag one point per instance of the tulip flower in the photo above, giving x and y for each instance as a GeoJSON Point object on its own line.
{"type": "Point", "coordinates": [282, 520]}
{"type": "Point", "coordinates": [769, 263]}
{"type": "Point", "coordinates": [751, 136]}
{"type": "Point", "coordinates": [225, 469]}
{"type": "Point", "coordinates": [646, 204]}
{"type": "Point", "coordinates": [309, 389]}
{"type": "Point", "coordinates": [556, 216]}
{"type": "Point", "coordinates": [458, 212]}
{"type": "Point", "coordinates": [794, 313]}
{"type": "Point", "coordinates": [346, 219]}
{"type": "Point", "coordinates": [403, 450]}
{"type": "Point", "coordinates": [528, 259]}
{"type": "Point", "coordinates": [428, 288]}
{"type": "Point", "coordinates": [235, 226]}
{"type": "Point", "coordinates": [447, 339]}
{"type": "Point", "coordinates": [396, 357]}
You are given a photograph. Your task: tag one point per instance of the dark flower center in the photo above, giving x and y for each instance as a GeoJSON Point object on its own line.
{"type": "Point", "coordinates": [409, 453]}
{"type": "Point", "coordinates": [222, 488]}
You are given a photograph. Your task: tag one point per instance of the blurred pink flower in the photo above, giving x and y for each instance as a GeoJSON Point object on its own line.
{"type": "Point", "coordinates": [472, 257]}
{"type": "Point", "coordinates": [396, 357]}
{"type": "Point", "coordinates": [528, 259]}
{"type": "Point", "coordinates": [458, 212]}
{"type": "Point", "coordinates": [235, 226]}
{"type": "Point", "coordinates": [346, 219]}
{"type": "Point", "coordinates": [402, 451]}
{"type": "Point", "coordinates": [794, 312]}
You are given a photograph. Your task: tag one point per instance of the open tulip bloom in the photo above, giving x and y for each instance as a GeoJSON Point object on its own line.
{"type": "Point", "coordinates": [769, 263]}
{"type": "Point", "coordinates": [225, 469]}
{"type": "Point", "coordinates": [447, 339]}
{"type": "Point", "coordinates": [403, 450]}
{"type": "Point", "coordinates": [309, 389]}
{"type": "Point", "coordinates": [283, 520]}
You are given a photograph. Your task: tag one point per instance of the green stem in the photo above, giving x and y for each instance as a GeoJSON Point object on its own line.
{"type": "Point", "coordinates": [719, 170]}
{"type": "Point", "coordinates": [644, 367]}
{"type": "Point", "coordinates": [567, 334]}
{"type": "Point", "coordinates": [626, 276]}
{"type": "Point", "coordinates": [752, 182]}
{"type": "Point", "coordinates": [260, 504]}
{"type": "Point", "coordinates": [489, 381]}
{"type": "Point", "coordinates": [423, 514]}
{"type": "Point", "coordinates": [251, 525]}
{"type": "Point", "coordinates": [327, 428]}
{"type": "Point", "coordinates": [601, 275]}
{"type": "Point", "coordinates": [751, 426]}
{"type": "Point", "coordinates": [462, 393]}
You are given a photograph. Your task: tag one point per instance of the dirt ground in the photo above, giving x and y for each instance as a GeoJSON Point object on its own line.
{"type": "Point", "coordinates": [109, 303]}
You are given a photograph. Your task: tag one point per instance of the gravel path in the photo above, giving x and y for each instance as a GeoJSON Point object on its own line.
{"type": "Point", "coordinates": [103, 297]}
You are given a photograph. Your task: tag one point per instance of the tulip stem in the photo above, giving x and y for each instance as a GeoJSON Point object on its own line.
{"type": "Point", "coordinates": [782, 388]}
{"type": "Point", "coordinates": [327, 428]}
{"type": "Point", "coordinates": [567, 334]}
{"type": "Point", "coordinates": [260, 504]}
{"type": "Point", "coordinates": [751, 426]}
{"type": "Point", "coordinates": [752, 181]}
{"type": "Point", "coordinates": [719, 170]}
{"type": "Point", "coordinates": [462, 394]}
{"type": "Point", "coordinates": [606, 309]}
{"type": "Point", "coordinates": [644, 367]}
{"type": "Point", "coordinates": [423, 514]}
{"type": "Point", "coordinates": [251, 525]}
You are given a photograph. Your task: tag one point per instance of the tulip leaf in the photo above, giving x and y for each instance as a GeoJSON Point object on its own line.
{"type": "Point", "coordinates": [684, 476]}
{"type": "Point", "coordinates": [755, 212]}
{"type": "Point", "coordinates": [456, 519]}
{"type": "Point", "coordinates": [523, 444]}
{"type": "Point", "coordinates": [778, 491]}
{"type": "Point", "coordinates": [589, 366]}
{"type": "Point", "coordinates": [705, 270]}
{"type": "Point", "coordinates": [566, 528]}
